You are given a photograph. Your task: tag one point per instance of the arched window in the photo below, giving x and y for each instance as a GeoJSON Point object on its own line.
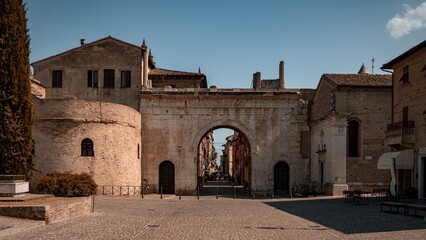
{"type": "Point", "coordinates": [87, 147]}
{"type": "Point", "coordinates": [353, 139]}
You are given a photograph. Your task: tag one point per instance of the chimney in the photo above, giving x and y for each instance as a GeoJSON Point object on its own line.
{"type": "Point", "coordinates": [256, 80]}
{"type": "Point", "coordinates": [281, 75]}
{"type": "Point", "coordinates": [144, 64]}
{"type": "Point", "coordinates": [82, 41]}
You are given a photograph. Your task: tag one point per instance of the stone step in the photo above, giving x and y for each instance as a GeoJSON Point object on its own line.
{"type": "Point", "coordinates": [217, 183]}
{"type": "Point", "coordinates": [222, 191]}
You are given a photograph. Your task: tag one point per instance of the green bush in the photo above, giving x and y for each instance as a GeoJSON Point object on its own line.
{"type": "Point", "coordinates": [67, 184]}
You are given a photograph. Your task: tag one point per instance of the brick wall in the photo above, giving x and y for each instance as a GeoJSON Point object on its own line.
{"type": "Point", "coordinates": [321, 107]}
{"type": "Point", "coordinates": [412, 94]}
{"type": "Point", "coordinates": [372, 109]}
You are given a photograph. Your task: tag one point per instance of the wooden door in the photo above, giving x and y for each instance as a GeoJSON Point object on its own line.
{"type": "Point", "coordinates": [167, 177]}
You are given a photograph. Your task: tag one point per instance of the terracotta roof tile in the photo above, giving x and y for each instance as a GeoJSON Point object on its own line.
{"type": "Point", "coordinates": [167, 72]}
{"type": "Point", "coordinates": [376, 80]}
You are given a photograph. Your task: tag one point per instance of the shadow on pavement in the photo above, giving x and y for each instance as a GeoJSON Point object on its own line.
{"type": "Point", "coordinates": [348, 218]}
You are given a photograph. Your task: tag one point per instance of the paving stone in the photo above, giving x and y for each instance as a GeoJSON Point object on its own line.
{"type": "Point", "coordinates": [227, 218]}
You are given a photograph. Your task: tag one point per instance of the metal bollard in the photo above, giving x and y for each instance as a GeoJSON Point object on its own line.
{"type": "Point", "coordinates": [161, 192]}
{"type": "Point", "coordinates": [93, 203]}
{"type": "Point", "coordinates": [142, 192]}
{"type": "Point", "coordinates": [252, 196]}
{"type": "Point", "coordinates": [217, 192]}
{"type": "Point", "coordinates": [235, 195]}
{"type": "Point", "coordinates": [198, 193]}
{"type": "Point", "coordinates": [180, 194]}
{"type": "Point", "coordinates": [272, 196]}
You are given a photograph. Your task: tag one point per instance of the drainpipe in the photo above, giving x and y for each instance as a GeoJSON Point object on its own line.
{"type": "Point", "coordinates": [415, 155]}
{"type": "Point", "coordinates": [396, 178]}
{"type": "Point", "coordinates": [388, 71]}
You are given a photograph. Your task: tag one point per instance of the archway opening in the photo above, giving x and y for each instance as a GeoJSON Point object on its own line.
{"type": "Point", "coordinates": [224, 162]}
{"type": "Point", "coordinates": [281, 178]}
{"type": "Point", "coordinates": [166, 183]}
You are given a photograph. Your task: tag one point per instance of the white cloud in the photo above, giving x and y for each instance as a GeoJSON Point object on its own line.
{"type": "Point", "coordinates": [412, 19]}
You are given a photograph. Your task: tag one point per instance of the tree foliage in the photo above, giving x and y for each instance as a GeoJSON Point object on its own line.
{"type": "Point", "coordinates": [16, 113]}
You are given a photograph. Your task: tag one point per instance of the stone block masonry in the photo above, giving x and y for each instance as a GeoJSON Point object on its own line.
{"type": "Point", "coordinates": [49, 209]}
{"type": "Point", "coordinates": [13, 188]}
{"type": "Point", "coordinates": [114, 129]}
{"type": "Point", "coordinates": [173, 124]}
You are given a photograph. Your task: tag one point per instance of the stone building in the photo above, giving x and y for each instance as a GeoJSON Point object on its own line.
{"type": "Point", "coordinates": [106, 70]}
{"type": "Point", "coordinates": [406, 134]}
{"type": "Point", "coordinates": [349, 114]}
{"type": "Point", "coordinates": [241, 160]}
{"type": "Point", "coordinates": [105, 108]}
{"type": "Point", "coordinates": [207, 164]}
{"type": "Point", "coordinates": [228, 156]}
{"type": "Point", "coordinates": [177, 79]}
{"type": "Point", "coordinates": [87, 111]}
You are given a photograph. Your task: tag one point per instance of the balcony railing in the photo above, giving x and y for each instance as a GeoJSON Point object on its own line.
{"type": "Point", "coordinates": [400, 125]}
{"type": "Point", "coordinates": [400, 134]}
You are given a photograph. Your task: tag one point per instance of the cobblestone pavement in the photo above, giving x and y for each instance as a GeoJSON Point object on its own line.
{"type": "Point", "coordinates": [227, 218]}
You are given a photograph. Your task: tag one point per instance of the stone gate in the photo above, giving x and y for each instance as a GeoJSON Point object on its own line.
{"type": "Point", "coordinates": [175, 120]}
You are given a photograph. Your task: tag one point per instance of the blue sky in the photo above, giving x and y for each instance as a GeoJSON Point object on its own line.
{"type": "Point", "coordinates": [232, 39]}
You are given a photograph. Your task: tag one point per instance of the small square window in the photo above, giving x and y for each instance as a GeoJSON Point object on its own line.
{"type": "Point", "coordinates": [109, 78]}
{"type": "Point", "coordinates": [126, 79]}
{"type": "Point", "coordinates": [405, 75]}
{"type": "Point", "coordinates": [56, 78]}
{"type": "Point", "coordinates": [92, 78]}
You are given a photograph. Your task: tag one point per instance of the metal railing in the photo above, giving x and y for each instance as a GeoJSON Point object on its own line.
{"type": "Point", "coordinates": [400, 125]}
{"type": "Point", "coordinates": [110, 190]}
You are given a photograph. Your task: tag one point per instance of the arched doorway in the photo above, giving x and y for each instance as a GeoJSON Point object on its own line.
{"type": "Point", "coordinates": [281, 178]}
{"type": "Point", "coordinates": [224, 160]}
{"type": "Point", "coordinates": [167, 177]}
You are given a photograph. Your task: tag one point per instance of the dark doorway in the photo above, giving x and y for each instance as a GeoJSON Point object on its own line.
{"type": "Point", "coordinates": [167, 177]}
{"type": "Point", "coordinates": [424, 177]}
{"type": "Point", "coordinates": [281, 178]}
{"type": "Point", "coordinates": [353, 139]}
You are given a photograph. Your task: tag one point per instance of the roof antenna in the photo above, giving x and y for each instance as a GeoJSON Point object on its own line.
{"type": "Point", "coordinates": [372, 66]}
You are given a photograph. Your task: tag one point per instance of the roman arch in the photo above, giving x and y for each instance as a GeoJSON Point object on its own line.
{"type": "Point", "coordinates": [174, 121]}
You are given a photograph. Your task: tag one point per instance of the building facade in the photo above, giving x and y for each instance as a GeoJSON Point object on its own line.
{"type": "Point", "coordinates": [106, 109]}
{"type": "Point", "coordinates": [406, 134]}
{"type": "Point", "coordinates": [87, 111]}
{"type": "Point", "coordinates": [349, 114]}
{"type": "Point", "coordinates": [207, 163]}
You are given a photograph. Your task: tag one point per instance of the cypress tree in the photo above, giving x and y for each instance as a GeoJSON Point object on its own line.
{"type": "Point", "coordinates": [16, 109]}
